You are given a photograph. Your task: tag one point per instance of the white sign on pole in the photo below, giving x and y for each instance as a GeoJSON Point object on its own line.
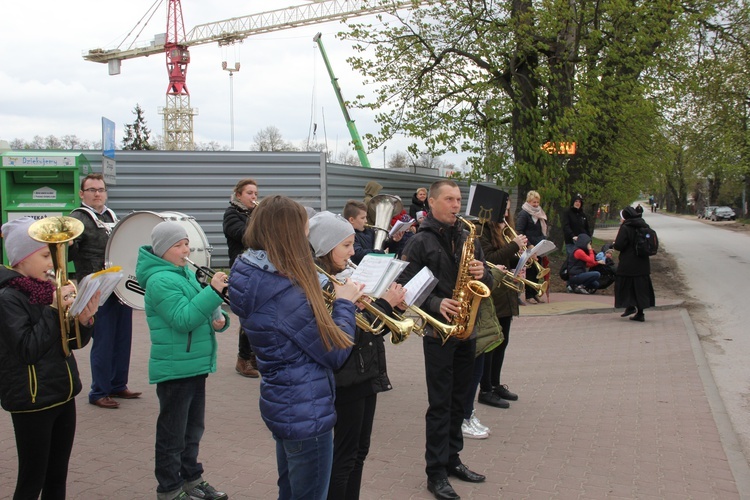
{"type": "Point", "coordinates": [108, 171]}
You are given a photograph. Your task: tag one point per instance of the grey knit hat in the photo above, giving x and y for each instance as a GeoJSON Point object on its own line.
{"type": "Point", "coordinates": [328, 230]}
{"type": "Point", "coordinates": [166, 234]}
{"type": "Point", "coordinates": [18, 243]}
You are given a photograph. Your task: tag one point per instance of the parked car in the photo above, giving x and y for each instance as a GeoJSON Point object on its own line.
{"type": "Point", "coordinates": [707, 212]}
{"type": "Point", "coordinates": [723, 213]}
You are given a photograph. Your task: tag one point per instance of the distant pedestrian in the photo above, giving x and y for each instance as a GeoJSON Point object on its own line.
{"type": "Point", "coordinates": [633, 288]}
{"type": "Point", "coordinates": [575, 222]}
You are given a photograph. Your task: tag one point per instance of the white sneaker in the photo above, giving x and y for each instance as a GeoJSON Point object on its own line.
{"type": "Point", "coordinates": [471, 432]}
{"type": "Point", "coordinates": [477, 424]}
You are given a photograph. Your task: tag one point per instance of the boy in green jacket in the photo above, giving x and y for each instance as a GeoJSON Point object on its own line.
{"type": "Point", "coordinates": [182, 318]}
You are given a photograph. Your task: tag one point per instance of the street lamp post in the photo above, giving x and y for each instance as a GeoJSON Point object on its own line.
{"type": "Point", "coordinates": [384, 148]}
{"type": "Point", "coordinates": [225, 67]}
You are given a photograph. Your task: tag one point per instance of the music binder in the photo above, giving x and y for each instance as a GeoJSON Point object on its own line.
{"type": "Point", "coordinates": [377, 271]}
{"type": "Point", "coordinates": [487, 203]}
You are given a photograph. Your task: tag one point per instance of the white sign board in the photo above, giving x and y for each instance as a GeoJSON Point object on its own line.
{"type": "Point", "coordinates": [34, 215]}
{"type": "Point", "coordinates": [44, 193]}
{"type": "Point", "coordinates": [109, 171]}
{"type": "Point", "coordinates": [39, 161]}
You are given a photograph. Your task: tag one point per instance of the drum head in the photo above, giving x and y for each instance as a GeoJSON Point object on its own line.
{"type": "Point", "coordinates": [132, 232]}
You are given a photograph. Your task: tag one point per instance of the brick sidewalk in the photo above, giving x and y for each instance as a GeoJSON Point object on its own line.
{"type": "Point", "coordinates": [608, 408]}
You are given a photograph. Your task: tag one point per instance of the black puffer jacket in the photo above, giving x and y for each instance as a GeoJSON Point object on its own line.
{"type": "Point", "coordinates": [87, 251]}
{"type": "Point", "coordinates": [575, 222]}
{"type": "Point", "coordinates": [34, 372]}
{"type": "Point", "coordinates": [236, 217]}
{"type": "Point", "coordinates": [416, 206]}
{"type": "Point", "coordinates": [364, 372]}
{"type": "Point", "coordinates": [438, 246]}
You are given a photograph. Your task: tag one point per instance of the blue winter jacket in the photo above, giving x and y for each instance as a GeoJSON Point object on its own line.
{"type": "Point", "coordinates": [297, 388]}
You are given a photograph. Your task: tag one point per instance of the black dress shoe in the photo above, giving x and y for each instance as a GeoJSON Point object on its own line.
{"type": "Point", "coordinates": [464, 474]}
{"type": "Point", "coordinates": [492, 399]}
{"type": "Point", "coordinates": [638, 317]}
{"type": "Point", "coordinates": [504, 393]}
{"type": "Point", "coordinates": [628, 312]}
{"type": "Point", "coordinates": [442, 489]}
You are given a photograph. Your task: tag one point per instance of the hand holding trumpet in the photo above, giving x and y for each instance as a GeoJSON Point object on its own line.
{"type": "Point", "coordinates": [349, 290]}
{"type": "Point", "coordinates": [219, 282]}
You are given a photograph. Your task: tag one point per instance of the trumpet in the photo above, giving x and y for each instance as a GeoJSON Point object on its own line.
{"type": "Point", "coordinates": [516, 282]}
{"type": "Point", "coordinates": [204, 274]}
{"type": "Point", "coordinates": [57, 232]}
{"type": "Point", "coordinates": [443, 330]}
{"type": "Point", "coordinates": [510, 234]}
{"type": "Point", "coordinates": [401, 327]}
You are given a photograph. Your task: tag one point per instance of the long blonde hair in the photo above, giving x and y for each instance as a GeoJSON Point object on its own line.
{"type": "Point", "coordinates": [278, 227]}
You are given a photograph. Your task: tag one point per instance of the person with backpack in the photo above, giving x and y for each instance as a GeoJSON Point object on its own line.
{"type": "Point", "coordinates": [636, 242]}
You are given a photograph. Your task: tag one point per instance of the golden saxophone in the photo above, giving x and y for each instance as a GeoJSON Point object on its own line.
{"type": "Point", "coordinates": [468, 291]}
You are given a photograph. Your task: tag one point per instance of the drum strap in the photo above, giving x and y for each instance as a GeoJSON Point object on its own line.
{"type": "Point", "coordinates": [107, 226]}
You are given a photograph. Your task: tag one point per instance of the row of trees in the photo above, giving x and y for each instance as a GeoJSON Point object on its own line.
{"type": "Point", "coordinates": [653, 92]}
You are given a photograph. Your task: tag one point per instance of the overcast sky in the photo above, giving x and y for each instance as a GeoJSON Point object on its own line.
{"type": "Point", "coordinates": [47, 88]}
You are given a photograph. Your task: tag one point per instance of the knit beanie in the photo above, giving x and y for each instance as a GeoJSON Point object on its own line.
{"type": "Point", "coordinates": [629, 213]}
{"type": "Point", "coordinates": [18, 243]}
{"type": "Point", "coordinates": [328, 230]}
{"type": "Point", "coordinates": [166, 234]}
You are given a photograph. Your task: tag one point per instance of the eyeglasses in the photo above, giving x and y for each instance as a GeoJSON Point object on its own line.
{"type": "Point", "coordinates": [95, 190]}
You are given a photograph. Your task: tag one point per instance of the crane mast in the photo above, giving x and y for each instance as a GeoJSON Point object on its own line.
{"type": "Point", "coordinates": [353, 132]}
{"type": "Point", "coordinates": [178, 114]}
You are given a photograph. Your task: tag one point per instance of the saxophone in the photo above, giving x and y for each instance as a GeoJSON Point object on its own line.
{"type": "Point", "coordinates": [468, 291]}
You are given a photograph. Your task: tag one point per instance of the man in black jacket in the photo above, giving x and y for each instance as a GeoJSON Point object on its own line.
{"type": "Point", "coordinates": [113, 331]}
{"type": "Point", "coordinates": [575, 222]}
{"type": "Point", "coordinates": [448, 368]}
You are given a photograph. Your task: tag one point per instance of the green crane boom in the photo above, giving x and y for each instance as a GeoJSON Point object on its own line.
{"type": "Point", "coordinates": [356, 139]}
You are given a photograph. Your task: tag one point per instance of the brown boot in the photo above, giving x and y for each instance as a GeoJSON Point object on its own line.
{"type": "Point", "coordinates": [245, 368]}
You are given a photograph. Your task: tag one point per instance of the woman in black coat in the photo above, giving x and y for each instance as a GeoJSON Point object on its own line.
{"type": "Point", "coordinates": [531, 221]}
{"type": "Point", "coordinates": [418, 204]}
{"type": "Point", "coordinates": [633, 288]}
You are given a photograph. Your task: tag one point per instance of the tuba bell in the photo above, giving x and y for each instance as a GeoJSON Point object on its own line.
{"type": "Point", "coordinates": [385, 206]}
{"type": "Point", "coordinates": [57, 232]}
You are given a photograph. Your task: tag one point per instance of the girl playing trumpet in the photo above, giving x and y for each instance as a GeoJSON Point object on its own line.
{"type": "Point", "coordinates": [38, 383]}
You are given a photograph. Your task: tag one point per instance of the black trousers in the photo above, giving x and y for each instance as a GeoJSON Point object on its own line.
{"type": "Point", "coordinates": [448, 369]}
{"type": "Point", "coordinates": [244, 350]}
{"type": "Point", "coordinates": [44, 440]}
{"type": "Point", "coordinates": [493, 360]}
{"type": "Point", "coordinates": [351, 444]}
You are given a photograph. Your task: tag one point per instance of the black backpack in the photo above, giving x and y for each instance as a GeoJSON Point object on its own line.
{"type": "Point", "coordinates": [646, 242]}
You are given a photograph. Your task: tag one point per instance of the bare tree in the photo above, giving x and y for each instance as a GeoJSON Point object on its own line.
{"type": "Point", "coordinates": [270, 139]}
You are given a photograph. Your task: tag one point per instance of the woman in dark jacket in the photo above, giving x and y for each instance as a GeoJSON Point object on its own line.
{"type": "Point", "coordinates": [363, 375]}
{"type": "Point", "coordinates": [236, 216]}
{"type": "Point", "coordinates": [418, 204]}
{"type": "Point", "coordinates": [38, 382]}
{"type": "Point", "coordinates": [531, 222]}
{"type": "Point", "coordinates": [633, 288]}
{"type": "Point", "coordinates": [500, 252]}
{"type": "Point", "coordinates": [575, 222]}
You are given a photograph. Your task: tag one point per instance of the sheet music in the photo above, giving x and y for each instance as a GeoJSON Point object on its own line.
{"type": "Point", "coordinates": [419, 287]}
{"type": "Point", "coordinates": [400, 226]}
{"type": "Point", "coordinates": [103, 281]}
{"type": "Point", "coordinates": [543, 248]}
{"type": "Point", "coordinates": [377, 272]}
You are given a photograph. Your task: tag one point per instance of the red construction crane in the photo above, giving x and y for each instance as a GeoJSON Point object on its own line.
{"type": "Point", "coordinates": [178, 115]}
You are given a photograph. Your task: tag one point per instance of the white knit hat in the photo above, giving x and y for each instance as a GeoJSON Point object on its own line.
{"type": "Point", "coordinates": [328, 230]}
{"type": "Point", "coordinates": [18, 243]}
{"type": "Point", "coordinates": [166, 234]}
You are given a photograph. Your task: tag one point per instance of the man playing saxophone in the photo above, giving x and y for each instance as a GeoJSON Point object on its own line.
{"type": "Point", "coordinates": [439, 245]}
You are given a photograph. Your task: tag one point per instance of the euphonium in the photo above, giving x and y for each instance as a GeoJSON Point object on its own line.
{"type": "Point", "coordinates": [512, 281]}
{"type": "Point", "coordinates": [510, 234]}
{"type": "Point", "coordinates": [401, 327]}
{"type": "Point", "coordinates": [468, 291]}
{"type": "Point", "coordinates": [57, 232]}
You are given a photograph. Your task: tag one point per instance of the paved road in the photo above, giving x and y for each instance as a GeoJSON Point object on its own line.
{"type": "Point", "coordinates": [715, 263]}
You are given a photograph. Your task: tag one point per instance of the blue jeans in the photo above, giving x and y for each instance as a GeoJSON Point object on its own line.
{"type": "Point", "coordinates": [304, 467]}
{"type": "Point", "coordinates": [179, 428]}
{"type": "Point", "coordinates": [110, 350]}
{"type": "Point", "coordinates": [589, 279]}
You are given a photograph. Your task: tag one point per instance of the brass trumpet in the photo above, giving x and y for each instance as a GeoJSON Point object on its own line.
{"type": "Point", "coordinates": [57, 232]}
{"type": "Point", "coordinates": [401, 327]}
{"type": "Point", "coordinates": [510, 234]}
{"type": "Point", "coordinates": [515, 282]}
{"type": "Point", "coordinates": [443, 330]}
{"type": "Point", "coordinates": [204, 274]}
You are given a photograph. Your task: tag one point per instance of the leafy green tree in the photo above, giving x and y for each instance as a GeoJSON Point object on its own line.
{"type": "Point", "coordinates": [137, 133]}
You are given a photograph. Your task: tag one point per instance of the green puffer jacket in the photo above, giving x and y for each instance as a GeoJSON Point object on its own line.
{"type": "Point", "coordinates": [179, 314]}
